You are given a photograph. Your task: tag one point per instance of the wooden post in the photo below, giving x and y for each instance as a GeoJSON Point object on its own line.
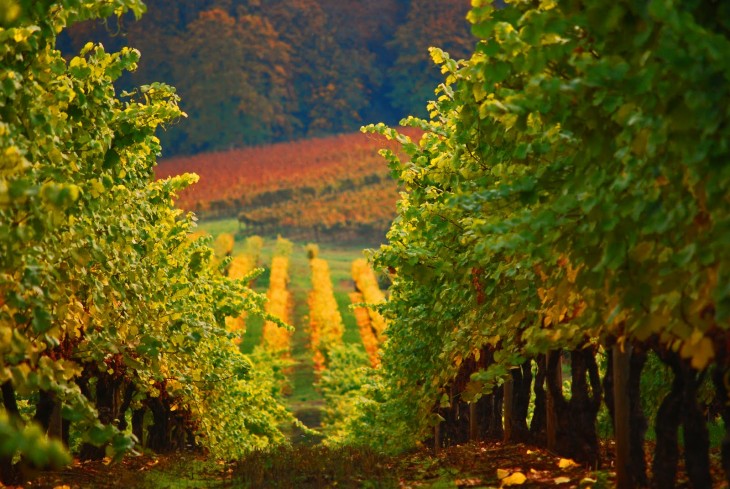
{"type": "Point", "coordinates": [473, 422]}
{"type": "Point", "coordinates": [507, 406]}
{"type": "Point", "coordinates": [621, 406]}
{"type": "Point", "coordinates": [551, 421]}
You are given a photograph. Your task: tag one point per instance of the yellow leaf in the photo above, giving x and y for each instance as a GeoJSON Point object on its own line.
{"type": "Point", "coordinates": [548, 4]}
{"type": "Point", "coordinates": [514, 480]}
{"type": "Point", "coordinates": [20, 35]}
{"type": "Point", "coordinates": [699, 348]}
{"type": "Point", "coordinates": [561, 480]}
{"type": "Point", "coordinates": [704, 353]}
{"type": "Point", "coordinates": [479, 92]}
{"type": "Point", "coordinates": [501, 473]}
{"type": "Point", "coordinates": [587, 483]}
{"type": "Point", "coordinates": [566, 463]}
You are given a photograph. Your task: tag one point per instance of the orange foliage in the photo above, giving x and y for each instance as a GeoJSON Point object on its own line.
{"type": "Point", "coordinates": [367, 284]}
{"type": "Point", "coordinates": [374, 205]}
{"type": "Point", "coordinates": [325, 321]}
{"type": "Point", "coordinates": [240, 266]}
{"type": "Point", "coordinates": [275, 337]}
{"type": "Point", "coordinates": [366, 329]}
{"type": "Point", "coordinates": [237, 177]}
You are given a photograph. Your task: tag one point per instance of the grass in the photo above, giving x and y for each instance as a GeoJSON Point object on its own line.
{"type": "Point", "coordinates": [351, 334]}
{"type": "Point", "coordinates": [315, 467]}
{"type": "Point", "coordinates": [254, 332]}
{"type": "Point", "coordinates": [187, 472]}
{"type": "Point", "coordinates": [218, 226]}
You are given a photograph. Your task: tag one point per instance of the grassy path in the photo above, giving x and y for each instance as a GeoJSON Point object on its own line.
{"type": "Point", "coordinates": [305, 401]}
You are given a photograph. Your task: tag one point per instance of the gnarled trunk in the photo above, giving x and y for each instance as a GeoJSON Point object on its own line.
{"type": "Point", "coordinates": [636, 458]}
{"type": "Point", "coordinates": [576, 418]}
{"type": "Point", "coordinates": [668, 419]}
{"type": "Point", "coordinates": [520, 403]}
{"type": "Point", "coordinates": [106, 401]}
{"type": "Point", "coordinates": [696, 437]}
{"type": "Point", "coordinates": [638, 422]}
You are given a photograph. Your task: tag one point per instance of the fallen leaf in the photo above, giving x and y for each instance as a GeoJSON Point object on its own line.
{"type": "Point", "coordinates": [587, 483]}
{"type": "Point", "coordinates": [501, 473]}
{"type": "Point", "coordinates": [514, 480]}
{"type": "Point", "coordinates": [566, 463]}
{"type": "Point", "coordinates": [561, 480]}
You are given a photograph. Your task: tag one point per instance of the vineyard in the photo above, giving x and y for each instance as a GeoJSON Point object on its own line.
{"type": "Point", "coordinates": [312, 189]}
{"type": "Point", "coordinates": [550, 305]}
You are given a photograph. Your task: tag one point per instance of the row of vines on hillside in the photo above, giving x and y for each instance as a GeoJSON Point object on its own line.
{"type": "Point", "coordinates": [325, 320]}
{"type": "Point", "coordinates": [568, 203]}
{"type": "Point", "coordinates": [260, 176]}
{"type": "Point", "coordinates": [367, 285]}
{"type": "Point", "coordinates": [340, 213]}
{"type": "Point", "coordinates": [364, 325]}
{"type": "Point", "coordinates": [275, 338]}
{"type": "Point", "coordinates": [112, 319]}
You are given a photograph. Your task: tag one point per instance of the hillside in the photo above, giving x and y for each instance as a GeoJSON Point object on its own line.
{"type": "Point", "coordinates": [336, 187]}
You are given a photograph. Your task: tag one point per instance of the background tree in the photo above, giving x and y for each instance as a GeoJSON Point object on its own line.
{"type": "Point", "coordinates": [234, 80]}
{"type": "Point", "coordinates": [413, 76]}
{"type": "Point", "coordinates": [282, 70]}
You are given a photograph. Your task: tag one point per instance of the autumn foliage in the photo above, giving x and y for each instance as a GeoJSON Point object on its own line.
{"type": "Point", "coordinates": [369, 340]}
{"type": "Point", "coordinates": [275, 337]}
{"type": "Point", "coordinates": [368, 286]}
{"type": "Point", "coordinates": [325, 321]}
{"type": "Point", "coordinates": [307, 188]}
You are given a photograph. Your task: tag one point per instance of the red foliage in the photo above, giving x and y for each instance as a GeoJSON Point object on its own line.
{"type": "Point", "coordinates": [373, 204]}
{"type": "Point", "coordinates": [236, 177]}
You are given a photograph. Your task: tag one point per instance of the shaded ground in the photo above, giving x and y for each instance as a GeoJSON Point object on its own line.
{"type": "Point", "coordinates": [474, 465]}
{"type": "Point", "coordinates": [181, 470]}
{"type": "Point", "coordinates": [314, 467]}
